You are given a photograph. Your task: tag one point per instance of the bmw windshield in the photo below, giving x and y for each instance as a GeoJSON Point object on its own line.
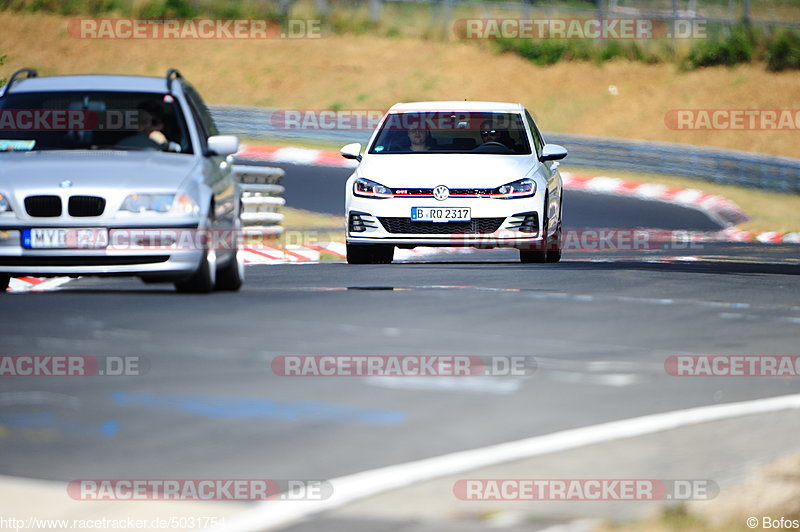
{"type": "Point", "coordinates": [452, 132]}
{"type": "Point", "coordinates": [85, 120]}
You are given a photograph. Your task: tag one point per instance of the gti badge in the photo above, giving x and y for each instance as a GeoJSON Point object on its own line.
{"type": "Point", "coordinates": [441, 193]}
{"type": "Point", "coordinates": [65, 184]}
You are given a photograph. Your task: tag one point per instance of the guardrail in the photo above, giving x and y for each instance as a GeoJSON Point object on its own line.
{"type": "Point", "coordinates": [780, 174]}
{"type": "Point", "coordinates": [261, 197]}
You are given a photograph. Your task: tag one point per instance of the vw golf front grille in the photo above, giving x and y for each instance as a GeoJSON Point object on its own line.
{"type": "Point", "coordinates": [406, 226]}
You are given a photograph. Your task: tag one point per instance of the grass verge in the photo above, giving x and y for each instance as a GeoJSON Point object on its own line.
{"type": "Point", "coordinates": [772, 492]}
{"type": "Point", "coordinates": [302, 227]}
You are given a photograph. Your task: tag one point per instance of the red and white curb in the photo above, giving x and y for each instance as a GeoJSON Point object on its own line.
{"type": "Point", "coordinates": [35, 284]}
{"type": "Point", "coordinates": [718, 208]}
{"type": "Point", "coordinates": [309, 253]}
{"type": "Point", "coordinates": [292, 155]}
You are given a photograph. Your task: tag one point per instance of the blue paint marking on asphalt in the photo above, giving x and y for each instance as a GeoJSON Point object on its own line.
{"type": "Point", "coordinates": [46, 420]}
{"type": "Point", "coordinates": [248, 408]}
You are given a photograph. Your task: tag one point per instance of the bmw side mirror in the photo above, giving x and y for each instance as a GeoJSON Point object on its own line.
{"type": "Point", "coordinates": [351, 151]}
{"type": "Point", "coordinates": [222, 145]}
{"type": "Point", "coordinates": [553, 152]}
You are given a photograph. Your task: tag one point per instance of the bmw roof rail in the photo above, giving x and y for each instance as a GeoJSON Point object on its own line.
{"type": "Point", "coordinates": [172, 74]}
{"type": "Point", "coordinates": [31, 73]}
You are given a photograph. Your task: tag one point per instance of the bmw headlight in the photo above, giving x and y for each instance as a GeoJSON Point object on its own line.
{"type": "Point", "coordinates": [161, 203]}
{"type": "Point", "coordinates": [367, 188]}
{"type": "Point", "coordinates": [185, 204]}
{"type": "Point", "coordinates": [5, 206]}
{"type": "Point", "coordinates": [521, 188]}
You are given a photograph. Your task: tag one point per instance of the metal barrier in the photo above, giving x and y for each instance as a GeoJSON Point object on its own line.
{"type": "Point", "coordinates": [781, 174]}
{"type": "Point", "coordinates": [261, 197]}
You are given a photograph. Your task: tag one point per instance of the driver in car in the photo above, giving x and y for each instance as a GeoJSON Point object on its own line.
{"type": "Point", "coordinates": [151, 124]}
{"type": "Point", "coordinates": [489, 133]}
{"type": "Point", "coordinates": [420, 139]}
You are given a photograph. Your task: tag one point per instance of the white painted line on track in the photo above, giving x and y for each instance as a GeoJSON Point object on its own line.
{"type": "Point", "coordinates": [478, 385]}
{"type": "Point", "coordinates": [347, 489]}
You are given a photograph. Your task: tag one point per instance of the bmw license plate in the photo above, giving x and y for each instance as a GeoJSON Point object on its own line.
{"type": "Point", "coordinates": [65, 238]}
{"type": "Point", "coordinates": [440, 214]}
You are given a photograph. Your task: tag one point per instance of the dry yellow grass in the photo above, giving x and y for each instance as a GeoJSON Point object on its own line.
{"type": "Point", "coordinates": [303, 219]}
{"type": "Point", "coordinates": [772, 490]}
{"type": "Point", "coordinates": [308, 227]}
{"type": "Point", "coordinates": [367, 72]}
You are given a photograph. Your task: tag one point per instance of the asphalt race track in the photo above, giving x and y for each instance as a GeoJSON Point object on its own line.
{"type": "Point", "coordinates": [599, 325]}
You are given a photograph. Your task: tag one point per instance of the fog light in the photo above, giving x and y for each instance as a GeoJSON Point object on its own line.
{"type": "Point", "coordinates": [528, 222]}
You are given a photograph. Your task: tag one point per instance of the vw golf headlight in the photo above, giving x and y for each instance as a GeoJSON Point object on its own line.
{"type": "Point", "coordinates": [521, 188]}
{"type": "Point", "coordinates": [366, 188]}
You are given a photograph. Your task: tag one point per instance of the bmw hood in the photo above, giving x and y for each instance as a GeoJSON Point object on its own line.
{"type": "Point", "coordinates": [91, 170]}
{"type": "Point", "coordinates": [452, 170]}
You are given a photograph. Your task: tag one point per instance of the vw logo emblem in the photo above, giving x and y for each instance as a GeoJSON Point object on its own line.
{"type": "Point", "coordinates": [65, 184]}
{"type": "Point", "coordinates": [441, 193]}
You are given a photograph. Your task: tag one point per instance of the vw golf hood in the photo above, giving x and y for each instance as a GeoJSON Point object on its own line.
{"type": "Point", "coordinates": [453, 170]}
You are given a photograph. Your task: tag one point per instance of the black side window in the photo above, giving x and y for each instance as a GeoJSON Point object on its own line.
{"type": "Point", "coordinates": [199, 107]}
{"type": "Point", "coordinates": [201, 128]}
{"type": "Point", "coordinates": [537, 137]}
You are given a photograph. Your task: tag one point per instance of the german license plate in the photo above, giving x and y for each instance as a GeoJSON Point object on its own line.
{"type": "Point", "coordinates": [440, 214]}
{"type": "Point", "coordinates": [65, 238]}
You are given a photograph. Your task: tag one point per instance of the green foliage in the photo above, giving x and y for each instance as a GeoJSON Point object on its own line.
{"type": "Point", "coordinates": [678, 517]}
{"type": "Point", "coordinates": [547, 51]}
{"type": "Point", "coordinates": [550, 51]}
{"type": "Point", "coordinates": [2, 60]}
{"type": "Point", "coordinates": [737, 45]}
{"type": "Point", "coordinates": [160, 9]}
{"type": "Point", "coordinates": [783, 51]}
{"type": "Point", "coordinates": [347, 22]}
{"type": "Point", "coordinates": [630, 50]}
{"type": "Point", "coordinates": [65, 7]}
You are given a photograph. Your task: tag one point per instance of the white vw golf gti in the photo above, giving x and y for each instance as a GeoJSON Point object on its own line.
{"type": "Point", "coordinates": [468, 174]}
